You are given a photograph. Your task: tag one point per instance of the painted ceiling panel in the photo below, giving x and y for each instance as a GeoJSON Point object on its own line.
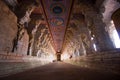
{"type": "Point", "coordinates": [57, 13]}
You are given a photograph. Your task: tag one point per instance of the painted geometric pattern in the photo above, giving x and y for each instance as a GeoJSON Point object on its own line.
{"type": "Point", "coordinates": [57, 12]}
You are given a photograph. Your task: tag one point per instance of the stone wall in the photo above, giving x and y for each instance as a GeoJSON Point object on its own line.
{"type": "Point", "coordinates": [11, 63]}
{"type": "Point", "coordinates": [8, 28]}
{"type": "Point", "coordinates": [107, 61]}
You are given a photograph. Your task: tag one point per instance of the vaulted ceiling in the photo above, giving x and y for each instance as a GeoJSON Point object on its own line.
{"type": "Point", "coordinates": [57, 13]}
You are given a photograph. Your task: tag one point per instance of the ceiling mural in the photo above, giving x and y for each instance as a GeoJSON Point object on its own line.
{"type": "Point", "coordinates": [57, 13]}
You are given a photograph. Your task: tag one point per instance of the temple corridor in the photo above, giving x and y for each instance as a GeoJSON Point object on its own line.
{"type": "Point", "coordinates": [62, 71]}
{"type": "Point", "coordinates": [59, 39]}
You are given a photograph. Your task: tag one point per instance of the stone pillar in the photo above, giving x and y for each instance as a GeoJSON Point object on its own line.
{"type": "Point", "coordinates": [103, 38]}
{"type": "Point", "coordinates": [103, 41]}
{"type": "Point", "coordinates": [116, 19]}
{"type": "Point", "coordinates": [86, 40]}
{"type": "Point", "coordinates": [83, 33]}
{"type": "Point", "coordinates": [23, 41]}
{"type": "Point", "coordinates": [23, 15]}
{"type": "Point", "coordinates": [32, 41]}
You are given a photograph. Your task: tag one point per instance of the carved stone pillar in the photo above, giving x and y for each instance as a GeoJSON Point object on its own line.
{"type": "Point", "coordinates": [23, 13]}
{"type": "Point", "coordinates": [102, 38]}
{"type": "Point", "coordinates": [86, 40]}
{"type": "Point", "coordinates": [32, 40]}
{"type": "Point", "coordinates": [23, 41]}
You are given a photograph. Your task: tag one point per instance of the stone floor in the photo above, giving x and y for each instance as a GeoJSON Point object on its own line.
{"type": "Point", "coordinates": [62, 71]}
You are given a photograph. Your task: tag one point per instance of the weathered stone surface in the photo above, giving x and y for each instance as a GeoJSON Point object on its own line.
{"type": "Point", "coordinates": [23, 41]}
{"type": "Point", "coordinates": [8, 28]}
{"type": "Point", "coordinates": [41, 43]}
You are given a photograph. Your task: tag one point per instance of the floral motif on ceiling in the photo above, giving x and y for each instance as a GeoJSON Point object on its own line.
{"type": "Point", "coordinates": [57, 13]}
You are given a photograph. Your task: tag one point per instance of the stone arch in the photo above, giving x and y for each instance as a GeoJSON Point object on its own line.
{"type": "Point", "coordinates": [116, 19]}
